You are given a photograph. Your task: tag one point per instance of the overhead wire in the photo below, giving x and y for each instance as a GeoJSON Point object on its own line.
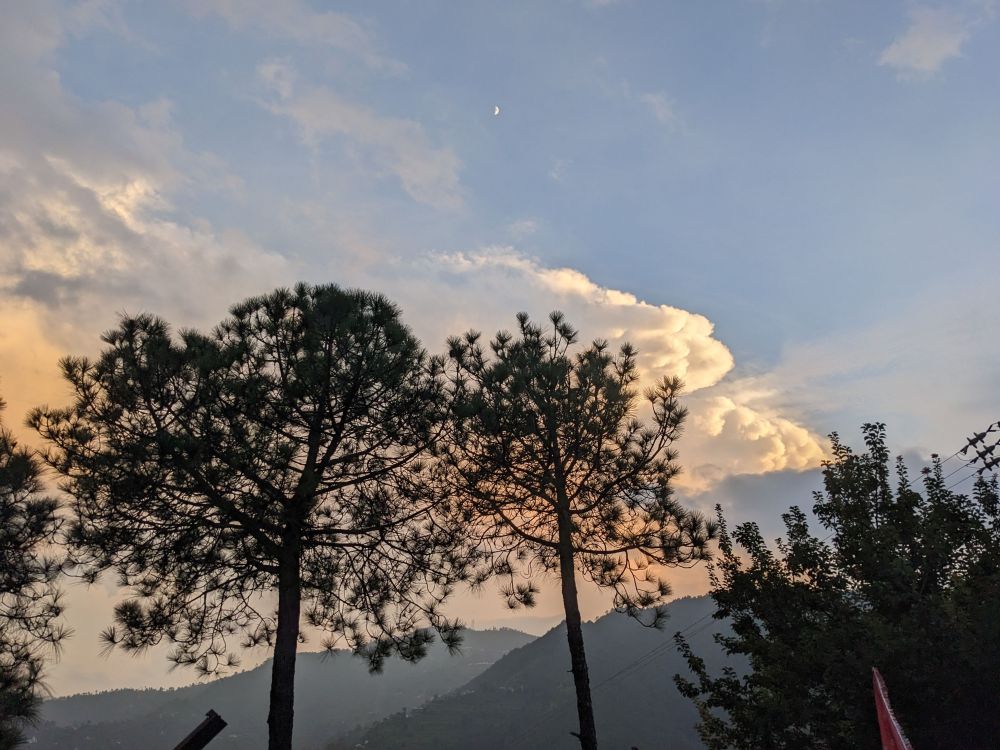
{"type": "Point", "coordinates": [642, 660]}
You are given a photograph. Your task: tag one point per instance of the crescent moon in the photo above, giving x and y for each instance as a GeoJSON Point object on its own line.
{"type": "Point", "coordinates": [496, 110]}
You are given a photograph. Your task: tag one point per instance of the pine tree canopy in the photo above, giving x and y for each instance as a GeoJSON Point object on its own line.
{"type": "Point", "coordinates": [30, 604]}
{"type": "Point", "coordinates": [286, 451]}
{"type": "Point", "coordinates": [543, 435]}
{"type": "Point", "coordinates": [554, 472]}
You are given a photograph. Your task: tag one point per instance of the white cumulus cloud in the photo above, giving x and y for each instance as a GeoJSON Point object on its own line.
{"type": "Point", "coordinates": [729, 431]}
{"type": "Point", "coordinates": [670, 340]}
{"type": "Point", "coordinates": [745, 436]}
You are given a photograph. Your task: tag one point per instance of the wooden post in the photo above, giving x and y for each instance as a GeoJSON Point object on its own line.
{"type": "Point", "coordinates": [203, 733]}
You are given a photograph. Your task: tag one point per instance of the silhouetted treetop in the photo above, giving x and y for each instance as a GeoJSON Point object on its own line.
{"type": "Point", "coordinates": [284, 451]}
{"type": "Point", "coordinates": [554, 471]}
{"type": "Point", "coordinates": [30, 603]}
{"type": "Point", "coordinates": [545, 433]}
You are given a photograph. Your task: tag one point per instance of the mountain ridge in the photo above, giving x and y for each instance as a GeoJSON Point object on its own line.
{"type": "Point", "coordinates": [334, 694]}
{"type": "Point", "coordinates": [527, 699]}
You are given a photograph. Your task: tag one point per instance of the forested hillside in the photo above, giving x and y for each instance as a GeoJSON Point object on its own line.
{"type": "Point", "coordinates": [526, 699]}
{"type": "Point", "coordinates": [333, 695]}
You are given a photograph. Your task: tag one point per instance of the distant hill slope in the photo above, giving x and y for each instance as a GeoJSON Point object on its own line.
{"type": "Point", "coordinates": [527, 700]}
{"type": "Point", "coordinates": [334, 694]}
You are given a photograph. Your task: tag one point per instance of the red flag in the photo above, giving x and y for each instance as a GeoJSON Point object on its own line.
{"type": "Point", "coordinates": [888, 726]}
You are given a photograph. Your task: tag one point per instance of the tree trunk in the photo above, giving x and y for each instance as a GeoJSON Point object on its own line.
{"type": "Point", "coordinates": [282, 708]}
{"type": "Point", "coordinates": [574, 633]}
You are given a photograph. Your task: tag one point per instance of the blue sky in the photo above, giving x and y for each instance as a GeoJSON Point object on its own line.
{"type": "Point", "coordinates": [747, 158]}
{"type": "Point", "coordinates": [790, 203]}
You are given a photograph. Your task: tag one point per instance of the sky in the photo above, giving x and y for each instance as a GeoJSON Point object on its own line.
{"type": "Point", "coordinates": [792, 204]}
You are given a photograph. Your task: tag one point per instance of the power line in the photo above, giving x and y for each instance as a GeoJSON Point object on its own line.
{"type": "Point", "coordinates": [966, 465]}
{"type": "Point", "coordinates": [972, 442]}
{"type": "Point", "coordinates": [642, 660]}
{"type": "Point", "coordinates": [988, 454]}
{"type": "Point", "coordinates": [966, 478]}
{"type": "Point", "coordinates": [653, 653]}
{"type": "Point", "coordinates": [946, 460]}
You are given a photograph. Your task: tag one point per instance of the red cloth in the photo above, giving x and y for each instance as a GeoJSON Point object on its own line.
{"type": "Point", "coordinates": [888, 726]}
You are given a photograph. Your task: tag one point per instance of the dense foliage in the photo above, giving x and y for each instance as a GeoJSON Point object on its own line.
{"type": "Point", "coordinates": [282, 453]}
{"type": "Point", "coordinates": [908, 583]}
{"type": "Point", "coordinates": [29, 600]}
{"type": "Point", "coordinates": [557, 474]}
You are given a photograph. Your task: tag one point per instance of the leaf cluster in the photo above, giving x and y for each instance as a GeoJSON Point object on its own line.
{"type": "Point", "coordinates": [909, 582]}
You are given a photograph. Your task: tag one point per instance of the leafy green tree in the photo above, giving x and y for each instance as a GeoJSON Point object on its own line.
{"type": "Point", "coordinates": [285, 452]}
{"type": "Point", "coordinates": [29, 600]}
{"type": "Point", "coordinates": [909, 583]}
{"type": "Point", "coordinates": [556, 474]}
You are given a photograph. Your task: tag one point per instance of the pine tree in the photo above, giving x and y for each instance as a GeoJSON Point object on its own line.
{"type": "Point", "coordinates": [30, 603]}
{"type": "Point", "coordinates": [283, 453]}
{"type": "Point", "coordinates": [555, 473]}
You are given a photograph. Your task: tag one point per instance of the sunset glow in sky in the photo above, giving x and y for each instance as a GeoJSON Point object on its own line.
{"type": "Point", "coordinates": [792, 204]}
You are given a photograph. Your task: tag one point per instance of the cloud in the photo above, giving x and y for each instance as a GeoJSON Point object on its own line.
{"type": "Point", "coordinates": [924, 369]}
{"type": "Point", "coordinates": [657, 103]}
{"type": "Point", "coordinates": [521, 228]}
{"type": "Point", "coordinates": [660, 106]}
{"type": "Point", "coordinates": [75, 233]}
{"type": "Point", "coordinates": [86, 222]}
{"type": "Point", "coordinates": [557, 172]}
{"type": "Point", "coordinates": [396, 146]}
{"type": "Point", "coordinates": [295, 21]}
{"type": "Point", "coordinates": [89, 227]}
{"type": "Point", "coordinates": [670, 340]}
{"type": "Point", "coordinates": [730, 430]}
{"type": "Point", "coordinates": [934, 36]}
{"type": "Point", "coordinates": [744, 434]}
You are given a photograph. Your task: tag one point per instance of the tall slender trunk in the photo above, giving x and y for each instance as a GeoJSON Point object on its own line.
{"type": "Point", "coordinates": [574, 633]}
{"type": "Point", "coordinates": [282, 708]}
